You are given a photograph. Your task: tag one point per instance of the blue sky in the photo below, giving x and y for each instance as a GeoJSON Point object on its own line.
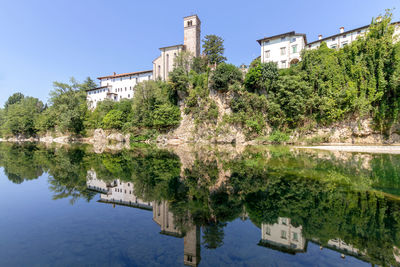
{"type": "Point", "coordinates": [43, 41]}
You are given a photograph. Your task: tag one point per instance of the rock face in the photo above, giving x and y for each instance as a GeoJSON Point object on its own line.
{"type": "Point", "coordinates": [350, 132]}
{"type": "Point", "coordinates": [206, 132]}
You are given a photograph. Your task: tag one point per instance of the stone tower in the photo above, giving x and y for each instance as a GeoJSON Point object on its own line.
{"type": "Point", "coordinates": [191, 34]}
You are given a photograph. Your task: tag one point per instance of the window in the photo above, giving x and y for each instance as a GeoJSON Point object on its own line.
{"type": "Point", "coordinates": [283, 63]}
{"type": "Point", "coordinates": [137, 80]}
{"type": "Point", "coordinates": [293, 40]}
{"type": "Point", "coordinates": [295, 237]}
{"type": "Point", "coordinates": [283, 39]}
{"type": "Point", "coordinates": [159, 71]}
{"type": "Point", "coordinates": [358, 32]}
{"type": "Point", "coordinates": [190, 23]}
{"type": "Point", "coordinates": [334, 46]}
{"type": "Point", "coordinates": [344, 43]}
{"type": "Point", "coordinates": [130, 77]}
{"type": "Point", "coordinates": [283, 234]}
{"type": "Point", "coordinates": [284, 221]}
{"type": "Point", "coordinates": [344, 36]}
{"type": "Point", "coordinates": [283, 51]}
{"type": "Point", "coordinates": [189, 258]}
{"type": "Point", "coordinates": [334, 38]}
{"type": "Point", "coordinates": [294, 48]}
{"type": "Point", "coordinates": [266, 42]}
{"type": "Point", "coordinates": [167, 63]}
{"type": "Point", "coordinates": [268, 230]}
{"type": "Point", "coordinates": [125, 89]}
{"type": "Point", "coordinates": [267, 54]}
{"type": "Point", "coordinates": [129, 95]}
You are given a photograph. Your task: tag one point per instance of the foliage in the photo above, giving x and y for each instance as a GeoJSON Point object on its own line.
{"type": "Point", "coordinates": [278, 137]}
{"type": "Point", "coordinates": [152, 107]}
{"type": "Point", "coordinates": [224, 76]}
{"type": "Point", "coordinates": [213, 48]}
{"type": "Point", "coordinates": [113, 120]}
{"type": "Point", "coordinates": [21, 117]}
{"type": "Point", "coordinates": [200, 64]}
{"type": "Point", "coordinates": [68, 104]}
{"type": "Point", "coordinates": [261, 77]}
{"type": "Point", "coordinates": [13, 99]}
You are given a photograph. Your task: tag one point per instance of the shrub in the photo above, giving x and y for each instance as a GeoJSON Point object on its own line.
{"type": "Point", "coordinates": [278, 137]}
{"type": "Point", "coordinates": [225, 75]}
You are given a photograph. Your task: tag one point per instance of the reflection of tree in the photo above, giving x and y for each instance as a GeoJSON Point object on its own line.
{"type": "Point", "coordinates": [20, 162]}
{"type": "Point", "coordinates": [213, 235]}
{"type": "Point", "coordinates": [329, 197]}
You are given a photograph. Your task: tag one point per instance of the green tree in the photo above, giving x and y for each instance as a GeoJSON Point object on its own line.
{"type": "Point", "coordinates": [213, 48]}
{"type": "Point", "coordinates": [224, 76]}
{"type": "Point", "coordinates": [114, 120]}
{"type": "Point", "coordinates": [21, 116]}
{"type": "Point", "coordinates": [69, 105]}
{"type": "Point", "coordinates": [13, 99]}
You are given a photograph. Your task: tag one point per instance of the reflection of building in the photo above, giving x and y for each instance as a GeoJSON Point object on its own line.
{"type": "Point", "coordinates": [396, 253]}
{"type": "Point", "coordinates": [116, 192]}
{"type": "Point", "coordinates": [341, 246]}
{"type": "Point", "coordinates": [283, 236]}
{"type": "Point", "coordinates": [165, 218]}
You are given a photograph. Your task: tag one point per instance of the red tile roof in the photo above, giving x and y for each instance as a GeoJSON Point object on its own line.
{"type": "Point", "coordinates": [125, 74]}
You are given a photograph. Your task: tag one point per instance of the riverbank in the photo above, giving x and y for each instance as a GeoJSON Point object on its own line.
{"type": "Point", "coordinates": [389, 149]}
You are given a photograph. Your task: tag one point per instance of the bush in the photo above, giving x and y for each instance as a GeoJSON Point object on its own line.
{"type": "Point", "coordinates": [278, 137]}
{"type": "Point", "coordinates": [225, 75]}
{"type": "Point", "coordinates": [114, 120]}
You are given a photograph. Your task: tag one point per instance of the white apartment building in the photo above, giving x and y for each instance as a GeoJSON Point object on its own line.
{"type": "Point", "coordinates": [283, 49]}
{"type": "Point", "coordinates": [117, 86]}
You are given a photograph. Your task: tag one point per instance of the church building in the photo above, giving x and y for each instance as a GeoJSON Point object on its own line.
{"type": "Point", "coordinates": [191, 43]}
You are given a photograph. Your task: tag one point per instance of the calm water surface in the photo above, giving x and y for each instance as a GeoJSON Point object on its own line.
{"type": "Point", "coordinates": [254, 206]}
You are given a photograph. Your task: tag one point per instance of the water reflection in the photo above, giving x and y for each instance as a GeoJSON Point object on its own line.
{"type": "Point", "coordinates": [346, 202]}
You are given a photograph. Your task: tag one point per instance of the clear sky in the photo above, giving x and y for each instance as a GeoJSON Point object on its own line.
{"type": "Point", "coordinates": [43, 41]}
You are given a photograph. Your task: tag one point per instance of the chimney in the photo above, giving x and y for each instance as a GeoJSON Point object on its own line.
{"type": "Point", "coordinates": [379, 19]}
{"type": "Point", "coordinates": [115, 74]}
{"type": "Point", "coordinates": [320, 37]}
{"type": "Point", "coordinates": [341, 29]}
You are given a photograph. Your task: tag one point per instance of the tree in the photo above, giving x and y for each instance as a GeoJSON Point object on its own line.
{"type": "Point", "coordinates": [15, 98]}
{"type": "Point", "coordinates": [199, 64]}
{"type": "Point", "coordinates": [224, 76]}
{"type": "Point", "coordinates": [183, 61]}
{"type": "Point", "coordinates": [21, 116]}
{"type": "Point", "coordinates": [114, 120]}
{"type": "Point", "coordinates": [178, 84]}
{"type": "Point", "coordinates": [88, 84]}
{"type": "Point", "coordinates": [69, 105]}
{"type": "Point", "coordinates": [213, 48]}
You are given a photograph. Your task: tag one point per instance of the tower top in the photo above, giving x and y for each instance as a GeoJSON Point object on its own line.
{"type": "Point", "coordinates": [192, 20]}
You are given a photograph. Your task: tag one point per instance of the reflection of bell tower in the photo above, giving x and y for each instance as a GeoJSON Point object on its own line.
{"type": "Point", "coordinates": [191, 248]}
{"type": "Point", "coordinates": [191, 36]}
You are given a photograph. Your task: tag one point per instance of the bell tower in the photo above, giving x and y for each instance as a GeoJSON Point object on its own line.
{"type": "Point", "coordinates": [191, 34]}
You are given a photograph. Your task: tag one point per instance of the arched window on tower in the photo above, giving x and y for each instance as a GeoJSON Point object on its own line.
{"type": "Point", "coordinates": [159, 71]}
{"type": "Point", "coordinates": [190, 23]}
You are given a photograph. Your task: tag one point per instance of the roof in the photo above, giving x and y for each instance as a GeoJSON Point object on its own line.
{"type": "Point", "coordinates": [346, 32]}
{"type": "Point", "coordinates": [178, 45]}
{"type": "Point", "coordinates": [282, 248]}
{"type": "Point", "coordinates": [125, 74]}
{"type": "Point", "coordinates": [282, 35]}
{"type": "Point", "coordinates": [97, 88]}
